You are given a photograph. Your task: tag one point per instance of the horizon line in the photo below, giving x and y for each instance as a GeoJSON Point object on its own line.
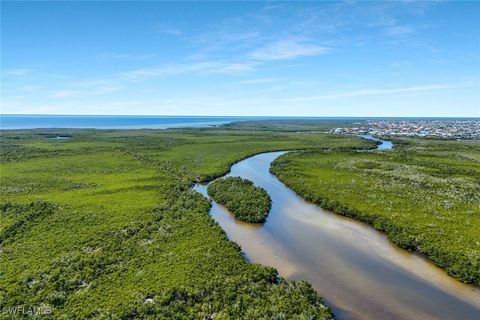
{"type": "Point", "coordinates": [230, 116]}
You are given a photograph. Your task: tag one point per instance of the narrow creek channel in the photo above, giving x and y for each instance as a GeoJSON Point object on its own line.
{"type": "Point", "coordinates": [356, 269]}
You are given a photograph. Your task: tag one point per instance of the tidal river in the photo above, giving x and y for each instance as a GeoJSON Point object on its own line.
{"type": "Point", "coordinates": [356, 269]}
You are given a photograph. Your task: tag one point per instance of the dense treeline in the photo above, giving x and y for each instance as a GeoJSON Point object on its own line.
{"type": "Point", "coordinates": [106, 225]}
{"type": "Point", "coordinates": [287, 125]}
{"type": "Point", "coordinates": [425, 195]}
{"type": "Point", "coordinates": [247, 202]}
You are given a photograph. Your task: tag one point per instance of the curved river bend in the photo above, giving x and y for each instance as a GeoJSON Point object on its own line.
{"type": "Point", "coordinates": [355, 268]}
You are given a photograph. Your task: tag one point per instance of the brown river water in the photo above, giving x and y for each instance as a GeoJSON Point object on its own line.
{"type": "Point", "coordinates": [356, 269]}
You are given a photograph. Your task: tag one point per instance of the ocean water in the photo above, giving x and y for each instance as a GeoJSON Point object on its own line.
{"type": "Point", "coordinates": [153, 122]}
{"type": "Point", "coordinates": [114, 122]}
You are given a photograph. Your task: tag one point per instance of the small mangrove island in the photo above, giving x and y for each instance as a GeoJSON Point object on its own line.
{"type": "Point", "coordinates": [247, 202]}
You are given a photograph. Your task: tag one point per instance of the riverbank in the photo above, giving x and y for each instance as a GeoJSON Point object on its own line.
{"type": "Point", "coordinates": [423, 197]}
{"type": "Point", "coordinates": [356, 269]}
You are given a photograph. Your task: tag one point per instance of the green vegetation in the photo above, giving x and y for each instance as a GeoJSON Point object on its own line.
{"type": "Point", "coordinates": [291, 125]}
{"type": "Point", "coordinates": [247, 202]}
{"type": "Point", "coordinates": [105, 225]}
{"type": "Point", "coordinates": [425, 194]}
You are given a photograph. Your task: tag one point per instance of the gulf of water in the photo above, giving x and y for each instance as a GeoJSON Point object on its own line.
{"type": "Point", "coordinates": [113, 122]}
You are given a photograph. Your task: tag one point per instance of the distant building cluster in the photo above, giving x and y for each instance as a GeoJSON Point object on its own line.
{"type": "Point", "coordinates": [444, 129]}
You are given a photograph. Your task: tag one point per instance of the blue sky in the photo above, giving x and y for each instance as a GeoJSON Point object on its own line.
{"type": "Point", "coordinates": [349, 58]}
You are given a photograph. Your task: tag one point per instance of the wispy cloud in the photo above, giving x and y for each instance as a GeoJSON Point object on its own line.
{"type": "Point", "coordinates": [128, 56]}
{"type": "Point", "coordinates": [18, 72]}
{"type": "Point", "coordinates": [169, 31]}
{"type": "Point", "coordinates": [86, 91]}
{"type": "Point", "coordinates": [221, 38]}
{"type": "Point", "coordinates": [287, 49]}
{"type": "Point", "coordinates": [399, 31]}
{"type": "Point", "coordinates": [117, 81]}
{"type": "Point", "coordinates": [399, 64]}
{"type": "Point", "coordinates": [208, 67]}
{"type": "Point", "coordinates": [60, 94]}
{"type": "Point", "coordinates": [259, 81]}
{"type": "Point", "coordinates": [378, 92]}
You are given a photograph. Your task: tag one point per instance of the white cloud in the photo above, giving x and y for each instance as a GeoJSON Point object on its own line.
{"type": "Point", "coordinates": [287, 49]}
{"type": "Point", "coordinates": [377, 92]}
{"type": "Point", "coordinates": [115, 82]}
{"type": "Point", "coordinates": [30, 88]}
{"type": "Point", "coordinates": [208, 67]}
{"type": "Point", "coordinates": [169, 31]}
{"type": "Point", "coordinates": [399, 64]}
{"type": "Point", "coordinates": [18, 72]}
{"type": "Point", "coordinates": [222, 38]}
{"type": "Point", "coordinates": [79, 93]}
{"type": "Point", "coordinates": [60, 94]}
{"type": "Point", "coordinates": [128, 56]}
{"type": "Point", "coordinates": [260, 80]}
{"type": "Point", "coordinates": [400, 31]}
